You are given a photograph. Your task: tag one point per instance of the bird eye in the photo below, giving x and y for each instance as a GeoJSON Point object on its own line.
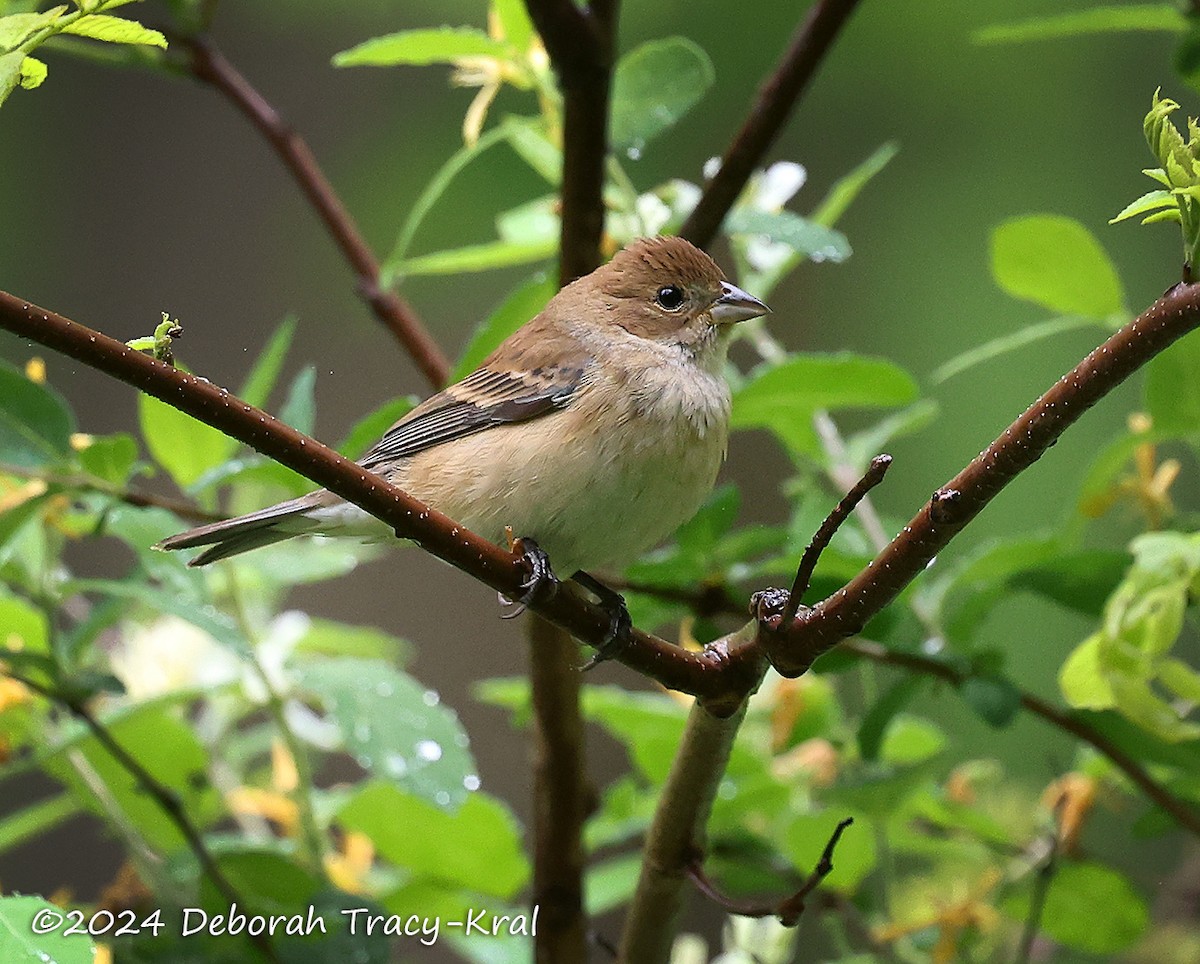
{"type": "Point", "coordinates": [670, 297]}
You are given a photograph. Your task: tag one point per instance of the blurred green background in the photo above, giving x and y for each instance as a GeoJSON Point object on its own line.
{"type": "Point", "coordinates": [123, 194]}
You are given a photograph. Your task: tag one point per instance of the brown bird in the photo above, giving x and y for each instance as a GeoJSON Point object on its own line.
{"type": "Point", "coordinates": [592, 432]}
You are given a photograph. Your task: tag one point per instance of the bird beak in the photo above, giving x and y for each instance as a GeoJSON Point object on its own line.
{"type": "Point", "coordinates": [735, 305]}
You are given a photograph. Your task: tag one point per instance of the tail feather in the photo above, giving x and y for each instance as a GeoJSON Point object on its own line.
{"type": "Point", "coordinates": [233, 536]}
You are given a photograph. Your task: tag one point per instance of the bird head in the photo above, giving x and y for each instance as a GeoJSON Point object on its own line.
{"type": "Point", "coordinates": [669, 291]}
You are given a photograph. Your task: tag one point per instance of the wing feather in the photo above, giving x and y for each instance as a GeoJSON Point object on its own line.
{"type": "Point", "coordinates": [480, 401]}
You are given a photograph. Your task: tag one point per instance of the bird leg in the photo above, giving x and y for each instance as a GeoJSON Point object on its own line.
{"type": "Point", "coordinates": [539, 583]}
{"type": "Point", "coordinates": [619, 622]}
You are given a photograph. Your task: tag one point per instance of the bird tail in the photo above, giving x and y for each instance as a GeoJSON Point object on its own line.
{"type": "Point", "coordinates": [234, 536]}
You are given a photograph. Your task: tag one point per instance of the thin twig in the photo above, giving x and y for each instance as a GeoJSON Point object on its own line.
{"type": "Point", "coordinates": [1037, 900]}
{"type": "Point", "coordinates": [766, 118]}
{"type": "Point", "coordinates": [134, 497]}
{"type": "Point", "coordinates": [209, 65]}
{"type": "Point", "coordinates": [790, 908]}
{"type": "Point", "coordinates": [841, 512]}
{"type": "Point", "coordinates": [167, 799]}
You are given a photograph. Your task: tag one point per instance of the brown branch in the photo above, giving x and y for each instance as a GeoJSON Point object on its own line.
{"type": "Point", "coordinates": [165, 797]}
{"type": "Point", "coordinates": [712, 676]}
{"type": "Point", "coordinates": [775, 100]}
{"type": "Point", "coordinates": [841, 512]}
{"type": "Point", "coordinates": [560, 796]}
{"type": "Point", "coordinates": [814, 631]}
{"type": "Point", "coordinates": [791, 908]}
{"type": "Point", "coordinates": [580, 42]}
{"type": "Point", "coordinates": [209, 65]}
{"type": "Point", "coordinates": [676, 834]}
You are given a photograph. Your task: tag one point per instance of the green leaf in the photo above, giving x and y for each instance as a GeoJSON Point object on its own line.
{"type": "Point", "coordinates": [394, 727]}
{"type": "Point", "coordinates": [654, 86]}
{"type": "Point", "coordinates": [519, 307]}
{"type": "Point", "coordinates": [910, 740]}
{"type": "Point", "coordinates": [370, 428]}
{"type": "Point", "coordinates": [299, 409]}
{"type": "Point", "coordinates": [994, 699]}
{"type": "Point", "coordinates": [528, 139]}
{"type": "Point", "coordinates": [168, 748]}
{"type": "Point", "coordinates": [1150, 201]}
{"type": "Point", "coordinates": [185, 447]}
{"type": "Point", "coordinates": [1030, 334]}
{"type": "Point", "coordinates": [515, 24]}
{"type": "Point", "coordinates": [783, 398]}
{"type": "Point", "coordinates": [16, 28]}
{"type": "Point", "coordinates": [475, 257]}
{"type": "Point", "coordinates": [33, 72]}
{"type": "Point", "coordinates": [116, 30]}
{"type": "Point", "coordinates": [1134, 17]}
{"type": "Point", "coordinates": [1172, 392]}
{"type": "Point", "coordinates": [265, 373]}
{"type": "Point", "coordinates": [422, 47]}
{"type": "Point", "coordinates": [10, 73]}
{"type": "Point", "coordinates": [882, 711]}
{"type": "Point", "coordinates": [1057, 263]}
{"type": "Point", "coordinates": [327, 638]}
{"type": "Point", "coordinates": [1088, 907]}
{"type": "Point", "coordinates": [846, 188]}
{"type": "Point", "coordinates": [807, 238]}
{"type": "Point", "coordinates": [533, 222]}
{"type": "Point", "coordinates": [1081, 581]}
{"type": "Point", "coordinates": [22, 627]}
{"type": "Point", "coordinates": [110, 458]}
{"type": "Point", "coordinates": [477, 848]}
{"type": "Point", "coordinates": [33, 819]}
{"type": "Point", "coordinates": [434, 190]}
{"type": "Point", "coordinates": [35, 423]}
{"type": "Point", "coordinates": [19, 942]}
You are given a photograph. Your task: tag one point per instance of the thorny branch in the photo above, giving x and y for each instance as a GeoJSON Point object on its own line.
{"type": "Point", "coordinates": [766, 118]}
{"type": "Point", "coordinates": [209, 65]}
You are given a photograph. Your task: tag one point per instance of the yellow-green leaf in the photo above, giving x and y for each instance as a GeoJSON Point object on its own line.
{"type": "Point", "coordinates": [115, 30]}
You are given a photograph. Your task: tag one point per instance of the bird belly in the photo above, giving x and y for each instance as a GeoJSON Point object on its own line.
{"type": "Point", "coordinates": [593, 493]}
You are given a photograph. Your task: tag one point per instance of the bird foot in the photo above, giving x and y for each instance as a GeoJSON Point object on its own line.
{"type": "Point", "coordinates": [619, 621]}
{"type": "Point", "coordinates": [539, 583]}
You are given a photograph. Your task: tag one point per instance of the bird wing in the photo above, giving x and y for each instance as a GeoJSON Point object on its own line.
{"type": "Point", "coordinates": [483, 399]}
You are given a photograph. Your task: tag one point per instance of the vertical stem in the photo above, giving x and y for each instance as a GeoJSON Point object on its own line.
{"type": "Point", "coordinates": [559, 794]}
{"type": "Point", "coordinates": [676, 834]}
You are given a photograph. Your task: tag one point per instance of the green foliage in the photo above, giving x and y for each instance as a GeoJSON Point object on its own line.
{"type": "Point", "coordinates": [241, 711]}
{"type": "Point", "coordinates": [1069, 916]}
{"type": "Point", "coordinates": [1127, 664]}
{"type": "Point", "coordinates": [22, 33]}
{"type": "Point", "coordinates": [654, 87]}
{"type": "Point", "coordinates": [1145, 17]}
{"type": "Point", "coordinates": [1057, 263]}
{"type": "Point", "coordinates": [35, 424]}
{"type": "Point", "coordinates": [21, 919]}
{"type": "Point", "coordinates": [1179, 173]}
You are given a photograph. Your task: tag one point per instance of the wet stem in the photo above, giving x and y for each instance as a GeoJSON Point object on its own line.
{"type": "Point", "coordinates": [310, 832]}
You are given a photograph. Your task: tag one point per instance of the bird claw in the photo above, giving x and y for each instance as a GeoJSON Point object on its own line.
{"type": "Point", "coordinates": [540, 583]}
{"type": "Point", "coordinates": [619, 622]}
